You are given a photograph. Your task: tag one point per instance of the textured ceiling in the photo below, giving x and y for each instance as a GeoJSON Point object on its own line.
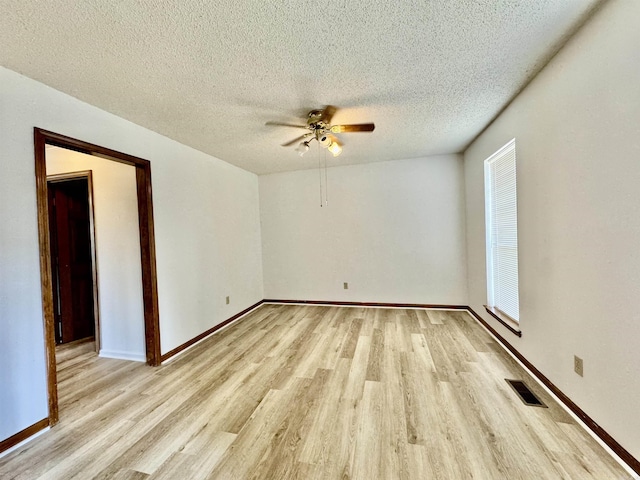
{"type": "Point", "coordinates": [431, 74]}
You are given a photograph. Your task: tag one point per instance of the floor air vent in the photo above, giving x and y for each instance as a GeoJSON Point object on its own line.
{"type": "Point", "coordinates": [526, 395]}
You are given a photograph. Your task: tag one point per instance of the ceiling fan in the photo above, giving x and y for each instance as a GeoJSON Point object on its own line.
{"type": "Point", "coordinates": [321, 130]}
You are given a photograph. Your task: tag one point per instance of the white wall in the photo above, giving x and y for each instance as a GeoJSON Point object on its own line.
{"type": "Point", "coordinates": [115, 206]}
{"type": "Point", "coordinates": [393, 230]}
{"type": "Point", "coordinates": [206, 224]}
{"type": "Point", "coordinates": [577, 130]}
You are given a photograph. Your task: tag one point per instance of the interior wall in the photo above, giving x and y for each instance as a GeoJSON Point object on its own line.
{"type": "Point", "coordinates": [577, 130]}
{"type": "Point", "coordinates": [115, 206]}
{"type": "Point", "coordinates": [207, 232]}
{"type": "Point", "coordinates": [393, 230]}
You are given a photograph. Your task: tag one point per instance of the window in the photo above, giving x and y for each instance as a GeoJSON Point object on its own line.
{"type": "Point", "coordinates": [502, 233]}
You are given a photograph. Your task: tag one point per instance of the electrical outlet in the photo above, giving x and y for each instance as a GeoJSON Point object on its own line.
{"type": "Point", "coordinates": [346, 285]}
{"type": "Point", "coordinates": [227, 300]}
{"type": "Point", "coordinates": [578, 365]}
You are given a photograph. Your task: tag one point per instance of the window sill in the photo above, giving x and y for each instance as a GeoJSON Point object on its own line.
{"type": "Point", "coordinates": [505, 320]}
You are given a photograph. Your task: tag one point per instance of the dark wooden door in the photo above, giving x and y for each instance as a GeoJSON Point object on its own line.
{"type": "Point", "coordinates": [71, 261]}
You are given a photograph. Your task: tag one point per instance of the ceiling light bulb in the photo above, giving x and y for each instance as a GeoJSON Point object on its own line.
{"type": "Point", "coordinates": [324, 140]}
{"type": "Point", "coordinates": [302, 148]}
{"type": "Point", "coordinates": [335, 149]}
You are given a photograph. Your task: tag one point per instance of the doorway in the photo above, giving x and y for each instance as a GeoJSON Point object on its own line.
{"type": "Point", "coordinates": [42, 138]}
{"type": "Point", "coordinates": [73, 258]}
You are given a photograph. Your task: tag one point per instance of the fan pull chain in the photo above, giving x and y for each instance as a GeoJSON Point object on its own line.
{"type": "Point", "coordinates": [324, 202]}
{"type": "Point", "coordinates": [326, 183]}
{"type": "Point", "coordinates": [320, 174]}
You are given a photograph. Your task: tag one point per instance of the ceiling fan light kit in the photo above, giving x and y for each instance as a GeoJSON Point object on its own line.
{"type": "Point", "coordinates": [320, 129]}
{"type": "Point", "coordinates": [303, 148]}
{"type": "Point", "coordinates": [335, 148]}
{"type": "Point", "coordinates": [324, 140]}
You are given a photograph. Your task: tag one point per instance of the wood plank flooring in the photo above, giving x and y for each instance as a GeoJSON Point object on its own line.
{"type": "Point", "coordinates": [312, 392]}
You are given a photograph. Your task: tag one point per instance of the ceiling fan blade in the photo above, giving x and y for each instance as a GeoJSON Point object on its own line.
{"type": "Point", "coordinates": [296, 140]}
{"type": "Point", "coordinates": [280, 124]}
{"type": "Point", "coordinates": [327, 114]}
{"type": "Point", "coordinates": [359, 127]}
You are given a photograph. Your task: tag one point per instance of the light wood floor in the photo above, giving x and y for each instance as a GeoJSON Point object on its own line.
{"type": "Point", "coordinates": [69, 354]}
{"type": "Point", "coordinates": [307, 392]}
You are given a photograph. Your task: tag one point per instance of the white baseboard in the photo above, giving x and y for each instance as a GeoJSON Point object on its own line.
{"type": "Point", "coordinates": [135, 357]}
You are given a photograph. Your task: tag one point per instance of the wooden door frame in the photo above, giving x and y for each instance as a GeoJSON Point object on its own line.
{"type": "Point", "coordinates": [147, 249]}
{"type": "Point", "coordinates": [88, 175]}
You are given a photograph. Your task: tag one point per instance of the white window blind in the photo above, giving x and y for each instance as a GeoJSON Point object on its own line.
{"type": "Point", "coordinates": [502, 231]}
